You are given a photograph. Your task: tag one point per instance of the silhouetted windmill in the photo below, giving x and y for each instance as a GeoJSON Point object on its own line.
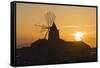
{"type": "Point", "coordinates": [50, 17]}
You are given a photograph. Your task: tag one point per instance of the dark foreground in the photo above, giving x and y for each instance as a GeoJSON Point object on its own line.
{"type": "Point", "coordinates": [43, 52]}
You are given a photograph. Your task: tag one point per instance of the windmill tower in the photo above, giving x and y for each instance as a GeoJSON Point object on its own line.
{"type": "Point", "coordinates": [52, 31]}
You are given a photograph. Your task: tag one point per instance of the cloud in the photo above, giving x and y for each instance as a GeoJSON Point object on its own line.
{"type": "Point", "coordinates": [77, 26]}
{"type": "Point", "coordinates": [71, 26]}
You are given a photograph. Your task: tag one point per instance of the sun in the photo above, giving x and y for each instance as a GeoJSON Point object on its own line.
{"type": "Point", "coordinates": [78, 36]}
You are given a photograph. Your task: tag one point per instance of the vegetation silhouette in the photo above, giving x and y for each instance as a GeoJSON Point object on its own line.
{"type": "Point", "coordinates": [54, 51]}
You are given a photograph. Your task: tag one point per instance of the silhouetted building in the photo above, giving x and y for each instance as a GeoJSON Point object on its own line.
{"type": "Point", "coordinates": [54, 50]}
{"type": "Point", "coordinates": [53, 33]}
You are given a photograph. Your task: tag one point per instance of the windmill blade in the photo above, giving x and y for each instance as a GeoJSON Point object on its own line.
{"type": "Point", "coordinates": [39, 25]}
{"type": "Point", "coordinates": [46, 34]}
{"type": "Point", "coordinates": [50, 17]}
{"type": "Point", "coordinates": [42, 30]}
{"type": "Point", "coordinates": [42, 26]}
{"type": "Point", "coordinates": [47, 18]}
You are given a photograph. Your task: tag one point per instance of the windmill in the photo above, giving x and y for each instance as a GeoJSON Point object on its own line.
{"type": "Point", "coordinates": [50, 17]}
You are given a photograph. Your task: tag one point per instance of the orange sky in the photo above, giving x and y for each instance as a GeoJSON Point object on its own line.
{"type": "Point", "coordinates": [69, 19]}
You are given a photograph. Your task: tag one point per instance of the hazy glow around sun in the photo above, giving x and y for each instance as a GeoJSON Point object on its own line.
{"type": "Point", "coordinates": [78, 36]}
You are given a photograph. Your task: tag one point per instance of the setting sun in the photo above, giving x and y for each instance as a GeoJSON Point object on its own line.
{"type": "Point", "coordinates": [78, 36]}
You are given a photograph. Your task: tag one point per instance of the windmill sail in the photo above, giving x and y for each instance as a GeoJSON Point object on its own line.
{"type": "Point", "coordinates": [50, 17]}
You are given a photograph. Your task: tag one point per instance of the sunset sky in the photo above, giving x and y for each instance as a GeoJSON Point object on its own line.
{"type": "Point", "coordinates": [69, 20]}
